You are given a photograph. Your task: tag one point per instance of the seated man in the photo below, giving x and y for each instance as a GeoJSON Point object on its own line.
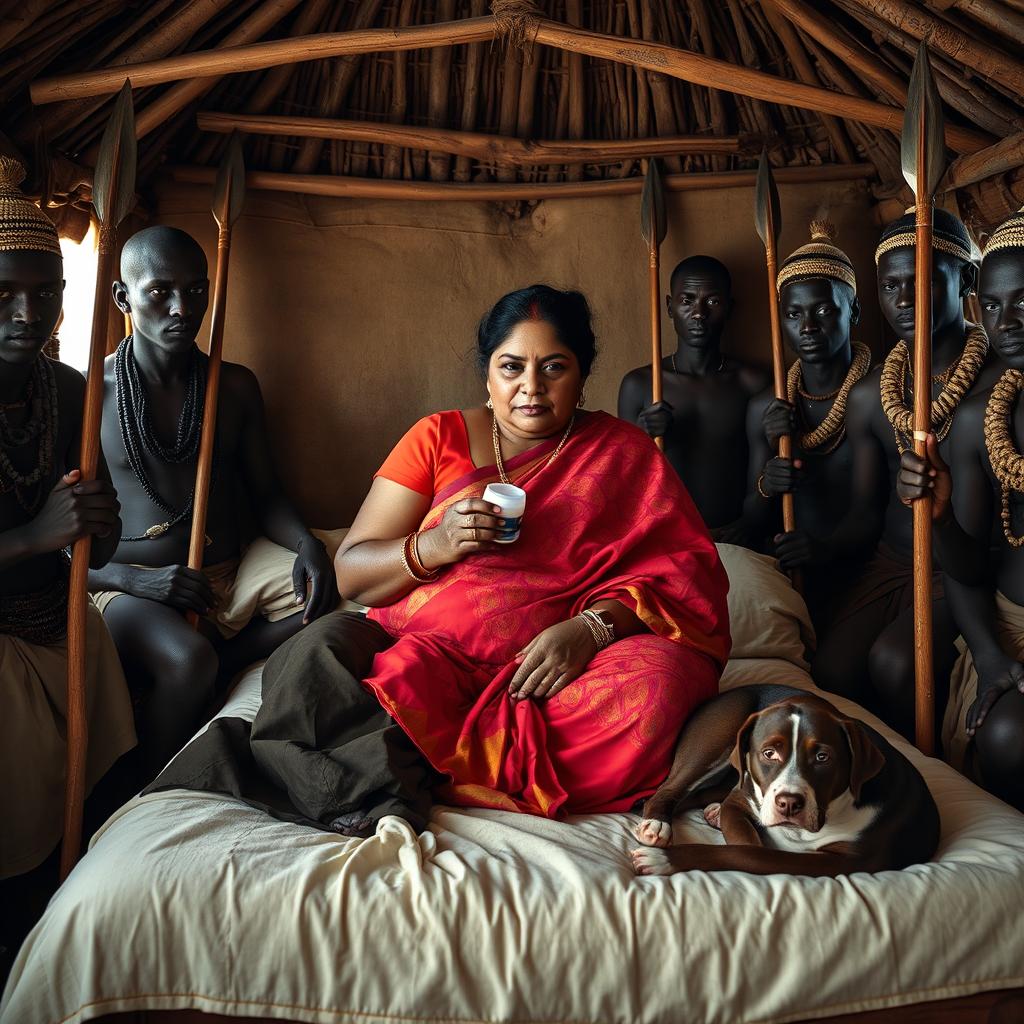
{"type": "Point", "coordinates": [44, 507]}
{"type": "Point", "coordinates": [703, 414]}
{"type": "Point", "coordinates": [868, 651]}
{"type": "Point", "coordinates": [152, 420]}
{"type": "Point", "coordinates": [983, 729]}
{"type": "Point", "coordinates": [819, 306]}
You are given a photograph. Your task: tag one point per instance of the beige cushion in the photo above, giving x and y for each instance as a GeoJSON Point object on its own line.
{"type": "Point", "coordinates": [767, 617]}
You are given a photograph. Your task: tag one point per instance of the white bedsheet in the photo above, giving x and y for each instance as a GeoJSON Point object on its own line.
{"type": "Point", "coordinates": [191, 900]}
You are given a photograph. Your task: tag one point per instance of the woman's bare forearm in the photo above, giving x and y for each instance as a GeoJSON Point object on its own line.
{"type": "Point", "coordinates": [371, 572]}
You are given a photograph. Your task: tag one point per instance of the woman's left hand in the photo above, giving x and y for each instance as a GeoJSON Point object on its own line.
{"type": "Point", "coordinates": [552, 660]}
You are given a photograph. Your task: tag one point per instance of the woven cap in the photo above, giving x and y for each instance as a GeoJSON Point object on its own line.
{"type": "Point", "coordinates": [23, 226]}
{"type": "Point", "coordinates": [820, 257]}
{"type": "Point", "coordinates": [949, 235]}
{"type": "Point", "coordinates": [1009, 235]}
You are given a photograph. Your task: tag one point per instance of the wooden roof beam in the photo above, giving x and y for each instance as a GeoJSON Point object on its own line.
{"type": "Point", "coordinates": [944, 38]}
{"type": "Point", "coordinates": [229, 60]}
{"type": "Point", "coordinates": [973, 167]}
{"type": "Point", "coordinates": [719, 74]}
{"type": "Point", "coordinates": [379, 188]}
{"type": "Point", "coordinates": [497, 149]}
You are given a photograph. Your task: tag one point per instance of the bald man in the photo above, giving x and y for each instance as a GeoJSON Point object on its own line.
{"type": "Point", "coordinates": [706, 393]}
{"type": "Point", "coordinates": [251, 597]}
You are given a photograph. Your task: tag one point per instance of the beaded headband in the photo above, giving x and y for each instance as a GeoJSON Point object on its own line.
{"type": "Point", "coordinates": [818, 258]}
{"type": "Point", "coordinates": [1009, 235]}
{"type": "Point", "coordinates": [23, 226]}
{"type": "Point", "coordinates": [902, 234]}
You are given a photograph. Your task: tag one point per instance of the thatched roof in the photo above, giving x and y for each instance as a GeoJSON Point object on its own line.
{"type": "Point", "coordinates": [855, 53]}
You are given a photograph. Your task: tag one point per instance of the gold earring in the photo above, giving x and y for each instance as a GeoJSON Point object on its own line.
{"type": "Point", "coordinates": [489, 404]}
{"type": "Point", "coordinates": [582, 400]}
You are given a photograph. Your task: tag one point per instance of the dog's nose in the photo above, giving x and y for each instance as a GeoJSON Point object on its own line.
{"type": "Point", "coordinates": [789, 804]}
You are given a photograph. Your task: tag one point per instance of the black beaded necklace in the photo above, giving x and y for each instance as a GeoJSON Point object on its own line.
{"type": "Point", "coordinates": [41, 398]}
{"type": "Point", "coordinates": [137, 428]}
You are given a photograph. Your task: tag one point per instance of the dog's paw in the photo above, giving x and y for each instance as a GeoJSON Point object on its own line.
{"type": "Point", "coordinates": [649, 861]}
{"type": "Point", "coordinates": [713, 815]}
{"type": "Point", "coordinates": [652, 832]}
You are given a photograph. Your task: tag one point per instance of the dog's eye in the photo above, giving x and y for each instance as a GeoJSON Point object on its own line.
{"type": "Point", "coordinates": [822, 756]}
{"type": "Point", "coordinates": [769, 753]}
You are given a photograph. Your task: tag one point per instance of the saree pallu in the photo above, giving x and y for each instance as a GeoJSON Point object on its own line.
{"type": "Point", "coordinates": [608, 519]}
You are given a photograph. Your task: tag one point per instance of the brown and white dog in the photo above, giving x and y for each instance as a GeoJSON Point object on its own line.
{"type": "Point", "coordinates": [804, 790]}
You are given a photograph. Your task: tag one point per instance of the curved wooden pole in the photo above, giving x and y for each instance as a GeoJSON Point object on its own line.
{"type": "Point", "coordinates": [112, 197]}
{"type": "Point", "coordinates": [227, 203]}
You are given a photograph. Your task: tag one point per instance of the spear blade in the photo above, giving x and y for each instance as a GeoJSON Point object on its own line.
{"type": "Point", "coordinates": [923, 114]}
{"type": "Point", "coordinates": [652, 206]}
{"type": "Point", "coordinates": [229, 188]}
{"type": "Point", "coordinates": [767, 211]}
{"type": "Point", "coordinates": [113, 191]}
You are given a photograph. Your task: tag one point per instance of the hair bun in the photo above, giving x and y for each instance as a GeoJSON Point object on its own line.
{"type": "Point", "coordinates": [823, 231]}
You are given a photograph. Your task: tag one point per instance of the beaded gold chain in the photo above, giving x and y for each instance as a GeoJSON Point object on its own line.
{"type": "Point", "coordinates": [833, 427]}
{"type": "Point", "coordinates": [1007, 463]}
{"type": "Point", "coordinates": [497, 447]}
{"type": "Point", "coordinates": [955, 386]}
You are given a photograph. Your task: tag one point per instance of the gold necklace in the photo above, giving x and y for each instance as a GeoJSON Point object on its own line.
{"type": "Point", "coordinates": [893, 388]}
{"type": "Point", "coordinates": [1007, 463]}
{"type": "Point", "coordinates": [497, 447]}
{"type": "Point", "coordinates": [833, 427]}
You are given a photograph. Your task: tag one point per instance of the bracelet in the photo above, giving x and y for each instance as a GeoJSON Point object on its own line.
{"type": "Point", "coordinates": [602, 633]}
{"type": "Point", "coordinates": [417, 564]}
{"type": "Point", "coordinates": [406, 549]}
{"type": "Point", "coordinates": [760, 488]}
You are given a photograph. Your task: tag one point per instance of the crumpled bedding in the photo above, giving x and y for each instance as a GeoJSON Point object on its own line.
{"type": "Point", "coordinates": [191, 900]}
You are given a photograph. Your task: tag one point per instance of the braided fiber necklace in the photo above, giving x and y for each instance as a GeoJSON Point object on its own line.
{"type": "Point", "coordinates": [955, 385]}
{"type": "Point", "coordinates": [41, 398]}
{"type": "Point", "coordinates": [832, 428]}
{"type": "Point", "coordinates": [1007, 463]}
{"type": "Point", "coordinates": [137, 428]}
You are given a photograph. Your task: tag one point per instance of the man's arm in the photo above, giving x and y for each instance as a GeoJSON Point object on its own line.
{"type": "Point", "coordinates": [654, 419]}
{"type": "Point", "coordinates": [278, 517]}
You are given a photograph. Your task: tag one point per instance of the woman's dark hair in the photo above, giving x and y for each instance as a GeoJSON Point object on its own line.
{"type": "Point", "coordinates": [567, 312]}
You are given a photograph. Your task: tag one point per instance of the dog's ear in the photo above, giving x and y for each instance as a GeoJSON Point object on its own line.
{"type": "Point", "coordinates": [738, 757]}
{"type": "Point", "coordinates": [866, 760]}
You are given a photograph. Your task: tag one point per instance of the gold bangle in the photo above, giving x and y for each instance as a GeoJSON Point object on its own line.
{"type": "Point", "coordinates": [760, 488]}
{"type": "Point", "coordinates": [405, 561]}
{"type": "Point", "coordinates": [417, 563]}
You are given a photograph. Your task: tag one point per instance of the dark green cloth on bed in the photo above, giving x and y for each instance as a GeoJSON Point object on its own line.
{"type": "Point", "coordinates": [321, 747]}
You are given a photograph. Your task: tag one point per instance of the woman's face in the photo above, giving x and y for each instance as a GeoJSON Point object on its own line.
{"type": "Point", "coordinates": [534, 381]}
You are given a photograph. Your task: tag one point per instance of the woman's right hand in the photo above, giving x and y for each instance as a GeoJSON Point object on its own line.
{"type": "Point", "coordinates": [74, 509]}
{"type": "Point", "coordinates": [467, 527]}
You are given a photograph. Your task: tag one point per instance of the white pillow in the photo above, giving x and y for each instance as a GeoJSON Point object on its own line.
{"type": "Point", "coordinates": [767, 617]}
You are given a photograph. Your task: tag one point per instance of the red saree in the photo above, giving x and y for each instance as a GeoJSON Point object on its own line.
{"type": "Point", "coordinates": [608, 519]}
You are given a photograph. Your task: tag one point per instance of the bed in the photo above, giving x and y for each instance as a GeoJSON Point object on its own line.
{"type": "Point", "coordinates": [194, 902]}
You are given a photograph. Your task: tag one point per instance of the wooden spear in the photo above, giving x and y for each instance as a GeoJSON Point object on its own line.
{"type": "Point", "coordinates": [768, 219]}
{"type": "Point", "coordinates": [113, 196]}
{"type": "Point", "coordinates": [924, 160]}
{"type": "Point", "coordinates": [653, 227]}
{"type": "Point", "coordinates": [228, 197]}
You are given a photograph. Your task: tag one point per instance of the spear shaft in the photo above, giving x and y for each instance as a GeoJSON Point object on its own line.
{"type": "Point", "coordinates": [227, 203]}
{"type": "Point", "coordinates": [113, 192]}
{"type": "Point", "coordinates": [924, 676]}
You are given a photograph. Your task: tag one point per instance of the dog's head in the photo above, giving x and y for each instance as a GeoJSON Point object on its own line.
{"type": "Point", "coordinates": [800, 755]}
